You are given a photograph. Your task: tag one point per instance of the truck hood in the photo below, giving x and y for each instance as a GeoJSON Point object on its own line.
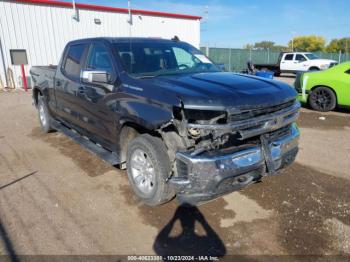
{"type": "Point", "coordinates": [223, 90]}
{"type": "Point", "coordinates": [323, 61]}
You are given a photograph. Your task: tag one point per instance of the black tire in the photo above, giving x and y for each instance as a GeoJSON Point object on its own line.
{"type": "Point", "coordinates": [44, 115]}
{"type": "Point", "coordinates": [156, 153]}
{"type": "Point", "coordinates": [314, 69]}
{"type": "Point", "coordinates": [322, 99]}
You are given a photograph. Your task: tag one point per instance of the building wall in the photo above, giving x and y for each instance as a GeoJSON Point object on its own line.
{"type": "Point", "coordinates": [44, 30]}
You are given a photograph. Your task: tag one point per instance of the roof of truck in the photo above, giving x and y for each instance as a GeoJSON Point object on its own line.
{"type": "Point", "coordinates": [123, 39]}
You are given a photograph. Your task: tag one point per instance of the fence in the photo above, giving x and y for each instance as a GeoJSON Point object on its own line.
{"type": "Point", "coordinates": [236, 59]}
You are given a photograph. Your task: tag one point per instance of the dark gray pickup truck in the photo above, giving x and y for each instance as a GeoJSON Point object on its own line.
{"type": "Point", "coordinates": [166, 113]}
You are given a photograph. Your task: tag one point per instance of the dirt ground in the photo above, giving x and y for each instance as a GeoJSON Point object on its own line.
{"type": "Point", "coordinates": [57, 198]}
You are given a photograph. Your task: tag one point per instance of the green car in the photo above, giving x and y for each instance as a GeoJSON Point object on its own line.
{"type": "Point", "coordinates": [325, 90]}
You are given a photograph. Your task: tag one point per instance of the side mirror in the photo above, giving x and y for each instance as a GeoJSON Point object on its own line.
{"type": "Point", "coordinates": [95, 77]}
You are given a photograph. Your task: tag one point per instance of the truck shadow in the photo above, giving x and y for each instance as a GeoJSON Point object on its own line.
{"type": "Point", "coordinates": [188, 241]}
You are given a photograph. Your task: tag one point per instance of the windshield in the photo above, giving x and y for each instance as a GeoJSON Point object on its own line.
{"type": "Point", "coordinates": [155, 58]}
{"type": "Point", "coordinates": [311, 56]}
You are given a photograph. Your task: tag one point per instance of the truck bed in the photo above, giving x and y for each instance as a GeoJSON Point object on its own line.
{"type": "Point", "coordinates": [43, 74]}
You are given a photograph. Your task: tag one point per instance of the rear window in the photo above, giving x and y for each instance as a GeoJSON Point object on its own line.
{"type": "Point", "coordinates": [289, 57]}
{"type": "Point", "coordinates": [73, 62]}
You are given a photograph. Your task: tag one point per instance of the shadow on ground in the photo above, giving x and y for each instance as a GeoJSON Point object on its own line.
{"type": "Point", "coordinates": [188, 241]}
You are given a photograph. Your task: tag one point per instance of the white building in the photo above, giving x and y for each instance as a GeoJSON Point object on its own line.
{"type": "Point", "coordinates": [38, 30]}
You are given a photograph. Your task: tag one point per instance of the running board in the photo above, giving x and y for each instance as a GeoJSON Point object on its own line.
{"type": "Point", "coordinates": [104, 154]}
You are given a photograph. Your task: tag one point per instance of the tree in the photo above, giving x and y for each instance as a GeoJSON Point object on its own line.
{"type": "Point", "coordinates": [280, 48]}
{"type": "Point", "coordinates": [248, 46]}
{"type": "Point", "coordinates": [333, 46]}
{"type": "Point", "coordinates": [311, 43]}
{"type": "Point", "coordinates": [342, 44]}
{"type": "Point", "coordinates": [264, 45]}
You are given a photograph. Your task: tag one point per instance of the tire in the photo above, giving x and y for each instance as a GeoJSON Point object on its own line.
{"type": "Point", "coordinates": [322, 99]}
{"type": "Point", "coordinates": [148, 167]}
{"type": "Point", "coordinates": [44, 115]}
{"type": "Point", "coordinates": [314, 69]}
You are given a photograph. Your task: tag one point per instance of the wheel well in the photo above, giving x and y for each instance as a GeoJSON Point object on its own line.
{"type": "Point", "coordinates": [314, 68]}
{"type": "Point", "coordinates": [36, 93]}
{"type": "Point", "coordinates": [330, 88]}
{"type": "Point", "coordinates": [128, 132]}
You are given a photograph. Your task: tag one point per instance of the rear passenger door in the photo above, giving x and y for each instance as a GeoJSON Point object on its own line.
{"type": "Point", "coordinates": [96, 115]}
{"type": "Point", "coordinates": [287, 62]}
{"type": "Point", "coordinates": [67, 82]}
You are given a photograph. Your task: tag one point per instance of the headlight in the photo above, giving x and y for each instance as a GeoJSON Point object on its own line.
{"type": "Point", "coordinates": [324, 66]}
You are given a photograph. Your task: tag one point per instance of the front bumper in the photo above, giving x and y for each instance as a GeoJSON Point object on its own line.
{"type": "Point", "coordinates": [205, 177]}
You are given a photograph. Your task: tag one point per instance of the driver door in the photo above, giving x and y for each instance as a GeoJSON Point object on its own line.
{"type": "Point", "coordinates": [96, 116]}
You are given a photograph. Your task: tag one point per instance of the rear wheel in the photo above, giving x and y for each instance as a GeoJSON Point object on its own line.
{"type": "Point", "coordinates": [322, 99]}
{"type": "Point", "coordinates": [44, 115]}
{"type": "Point", "coordinates": [148, 167]}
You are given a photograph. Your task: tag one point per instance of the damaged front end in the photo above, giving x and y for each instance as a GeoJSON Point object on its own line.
{"type": "Point", "coordinates": [215, 152]}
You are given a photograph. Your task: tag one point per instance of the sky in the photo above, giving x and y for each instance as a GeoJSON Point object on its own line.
{"type": "Point", "coordinates": [238, 22]}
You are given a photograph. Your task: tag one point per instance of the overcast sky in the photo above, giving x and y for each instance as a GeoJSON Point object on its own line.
{"type": "Point", "coordinates": [238, 22]}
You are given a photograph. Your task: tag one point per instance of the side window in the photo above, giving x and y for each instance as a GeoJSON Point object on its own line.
{"type": "Point", "coordinates": [99, 59]}
{"type": "Point", "coordinates": [289, 57]}
{"type": "Point", "coordinates": [72, 64]}
{"type": "Point", "coordinates": [183, 58]}
{"type": "Point", "coordinates": [300, 58]}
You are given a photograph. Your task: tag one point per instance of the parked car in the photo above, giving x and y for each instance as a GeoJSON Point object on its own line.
{"type": "Point", "coordinates": [325, 90]}
{"type": "Point", "coordinates": [162, 110]}
{"type": "Point", "coordinates": [297, 62]}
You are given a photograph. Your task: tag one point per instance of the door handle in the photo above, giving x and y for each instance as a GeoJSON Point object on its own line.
{"type": "Point", "coordinates": [58, 83]}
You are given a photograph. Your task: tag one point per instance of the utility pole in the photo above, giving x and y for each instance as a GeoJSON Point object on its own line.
{"type": "Point", "coordinates": [130, 14]}
{"type": "Point", "coordinates": [293, 33]}
{"type": "Point", "coordinates": [75, 16]}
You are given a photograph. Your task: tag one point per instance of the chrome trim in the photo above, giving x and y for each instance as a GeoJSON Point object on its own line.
{"type": "Point", "coordinates": [242, 161]}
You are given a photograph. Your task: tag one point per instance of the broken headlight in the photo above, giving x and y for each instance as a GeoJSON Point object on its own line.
{"type": "Point", "coordinates": [196, 116]}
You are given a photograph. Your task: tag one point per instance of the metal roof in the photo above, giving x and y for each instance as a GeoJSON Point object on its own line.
{"type": "Point", "coordinates": [107, 8]}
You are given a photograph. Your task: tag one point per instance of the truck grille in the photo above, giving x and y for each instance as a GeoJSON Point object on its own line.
{"type": "Point", "coordinates": [259, 112]}
{"type": "Point", "coordinates": [252, 123]}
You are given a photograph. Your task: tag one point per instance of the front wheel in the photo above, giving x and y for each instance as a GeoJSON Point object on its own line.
{"type": "Point", "coordinates": [148, 167]}
{"type": "Point", "coordinates": [322, 99]}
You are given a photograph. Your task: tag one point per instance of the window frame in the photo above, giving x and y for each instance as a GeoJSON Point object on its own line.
{"type": "Point", "coordinates": [114, 72]}
{"type": "Point", "coordinates": [82, 64]}
{"type": "Point", "coordinates": [288, 54]}
{"type": "Point", "coordinates": [295, 58]}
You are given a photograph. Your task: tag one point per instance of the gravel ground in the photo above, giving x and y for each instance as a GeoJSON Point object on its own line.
{"type": "Point", "coordinates": [56, 198]}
